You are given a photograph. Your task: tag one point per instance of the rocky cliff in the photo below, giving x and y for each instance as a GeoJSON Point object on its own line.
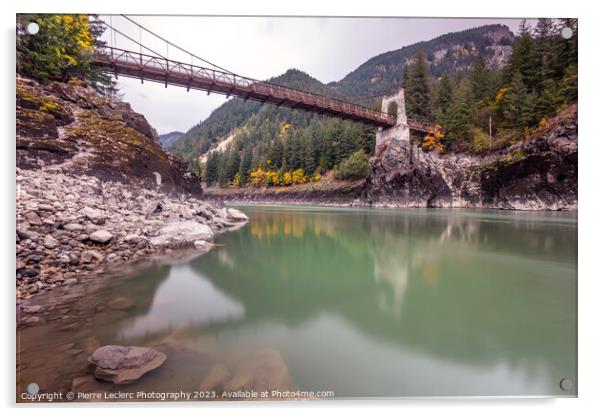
{"type": "Point", "coordinates": [95, 191]}
{"type": "Point", "coordinates": [539, 173]}
{"type": "Point", "coordinates": [70, 128]}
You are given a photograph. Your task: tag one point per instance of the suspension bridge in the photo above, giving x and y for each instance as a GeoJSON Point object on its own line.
{"type": "Point", "coordinates": [152, 66]}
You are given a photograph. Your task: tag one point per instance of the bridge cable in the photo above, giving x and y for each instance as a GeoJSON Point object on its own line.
{"type": "Point", "coordinates": [178, 47]}
{"type": "Point", "coordinates": [196, 56]}
{"type": "Point", "coordinates": [134, 40]}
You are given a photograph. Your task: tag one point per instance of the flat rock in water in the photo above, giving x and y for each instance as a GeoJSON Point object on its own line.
{"type": "Point", "coordinates": [123, 365]}
{"type": "Point", "coordinates": [235, 214]}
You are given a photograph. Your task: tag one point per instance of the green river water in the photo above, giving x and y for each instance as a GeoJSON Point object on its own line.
{"type": "Point", "coordinates": [363, 303]}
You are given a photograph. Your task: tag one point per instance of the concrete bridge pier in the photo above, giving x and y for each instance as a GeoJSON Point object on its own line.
{"type": "Point", "coordinates": [401, 130]}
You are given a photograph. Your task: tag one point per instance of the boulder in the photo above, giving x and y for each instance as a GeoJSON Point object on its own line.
{"type": "Point", "coordinates": [51, 242]}
{"type": "Point", "coordinates": [124, 364]}
{"type": "Point", "coordinates": [101, 236]}
{"type": "Point", "coordinates": [33, 218]}
{"type": "Point", "coordinates": [235, 214]}
{"type": "Point", "coordinates": [182, 233]}
{"type": "Point", "coordinates": [73, 227]}
{"type": "Point", "coordinates": [94, 215]}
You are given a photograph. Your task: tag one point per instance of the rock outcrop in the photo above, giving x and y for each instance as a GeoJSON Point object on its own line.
{"type": "Point", "coordinates": [538, 174]}
{"type": "Point", "coordinates": [123, 365]}
{"type": "Point", "coordinates": [70, 128]}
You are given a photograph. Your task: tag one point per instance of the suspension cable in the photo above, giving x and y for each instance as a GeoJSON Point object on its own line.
{"type": "Point", "coordinates": [133, 40]}
{"type": "Point", "coordinates": [178, 47]}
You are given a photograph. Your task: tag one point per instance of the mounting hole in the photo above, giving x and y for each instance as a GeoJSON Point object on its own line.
{"type": "Point", "coordinates": [566, 32]}
{"type": "Point", "coordinates": [32, 28]}
{"type": "Point", "coordinates": [33, 388]}
{"type": "Point", "coordinates": [566, 384]}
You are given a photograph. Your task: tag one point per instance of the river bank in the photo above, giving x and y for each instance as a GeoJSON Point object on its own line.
{"type": "Point", "coordinates": [70, 227]}
{"type": "Point", "coordinates": [537, 173]}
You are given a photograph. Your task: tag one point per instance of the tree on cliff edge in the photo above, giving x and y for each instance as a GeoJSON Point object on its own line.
{"type": "Point", "coordinates": [417, 89]}
{"type": "Point", "coordinates": [62, 49]}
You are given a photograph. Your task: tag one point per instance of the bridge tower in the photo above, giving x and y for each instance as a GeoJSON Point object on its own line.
{"type": "Point", "coordinates": [401, 130]}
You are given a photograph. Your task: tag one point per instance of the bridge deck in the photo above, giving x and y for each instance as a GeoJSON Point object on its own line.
{"type": "Point", "coordinates": [147, 67]}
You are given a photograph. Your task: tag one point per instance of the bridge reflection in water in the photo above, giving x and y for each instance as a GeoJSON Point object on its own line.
{"type": "Point", "coordinates": [383, 303]}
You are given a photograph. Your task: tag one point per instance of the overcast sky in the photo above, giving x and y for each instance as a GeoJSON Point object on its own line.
{"type": "Point", "coordinates": [262, 47]}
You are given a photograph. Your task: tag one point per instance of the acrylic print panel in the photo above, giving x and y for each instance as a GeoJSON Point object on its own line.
{"type": "Point", "coordinates": [278, 208]}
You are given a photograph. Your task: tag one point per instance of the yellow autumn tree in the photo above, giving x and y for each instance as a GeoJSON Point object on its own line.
{"type": "Point", "coordinates": [287, 179]}
{"type": "Point", "coordinates": [62, 49]}
{"type": "Point", "coordinates": [434, 141]}
{"type": "Point", "coordinates": [298, 176]}
{"type": "Point", "coordinates": [257, 177]}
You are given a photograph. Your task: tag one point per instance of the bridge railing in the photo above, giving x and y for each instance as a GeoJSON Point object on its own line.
{"type": "Point", "coordinates": [249, 85]}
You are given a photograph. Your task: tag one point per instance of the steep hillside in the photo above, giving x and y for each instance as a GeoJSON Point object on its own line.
{"type": "Point", "coordinates": [235, 112]}
{"type": "Point", "coordinates": [168, 139]}
{"type": "Point", "coordinates": [379, 76]}
{"type": "Point", "coordinates": [449, 53]}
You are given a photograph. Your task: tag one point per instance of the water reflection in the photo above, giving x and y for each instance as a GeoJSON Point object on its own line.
{"type": "Point", "coordinates": [484, 289]}
{"type": "Point", "coordinates": [183, 299]}
{"type": "Point", "coordinates": [370, 303]}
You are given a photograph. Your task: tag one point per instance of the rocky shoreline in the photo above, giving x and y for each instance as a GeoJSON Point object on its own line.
{"type": "Point", "coordinates": [538, 174]}
{"type": "Point", "coordinates": [70, 227]}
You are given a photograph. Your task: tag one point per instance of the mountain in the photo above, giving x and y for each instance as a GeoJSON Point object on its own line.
{"type": "Point", "coordinates": [235, 112]}
{"type": "Point", "coordinates": [169, 139]}
{"type": "Point", "coordinates": [449, 53]}
{"type": "Point", "coordinates": [380, 75]}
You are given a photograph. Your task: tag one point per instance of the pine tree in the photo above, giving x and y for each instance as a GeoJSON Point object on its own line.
{"type": "Point", "coordinates": [444, 96]}
{"type": "Point", "coordinates": [417, 89]}
{"type": "Point", "coordinates": [549, 100]}
{"type": "Point", "coordinates": [245, 164]}
{"type": "Point", "coordinates": [211, 168]}
{"type": "Point", "coordinates": [515, 108]}
{"type": "Point", "coordinates": [545, 35]}
{"type": "Point", "coordinates": [479, 81]}
{"type": "Point", "coordinates": [458, 119]}
{"type": "Point", "coordinates": [522, 60]}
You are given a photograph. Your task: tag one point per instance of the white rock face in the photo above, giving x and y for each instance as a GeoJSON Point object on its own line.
{"type": "Point", "coordinates": [182, 233]}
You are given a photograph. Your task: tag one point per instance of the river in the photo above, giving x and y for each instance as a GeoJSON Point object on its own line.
{"type": "Point", "coordinates": [359, 302]}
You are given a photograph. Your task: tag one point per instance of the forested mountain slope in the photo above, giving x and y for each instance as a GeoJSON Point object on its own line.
{"type": "Point", "coordinates": [486, 88]}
